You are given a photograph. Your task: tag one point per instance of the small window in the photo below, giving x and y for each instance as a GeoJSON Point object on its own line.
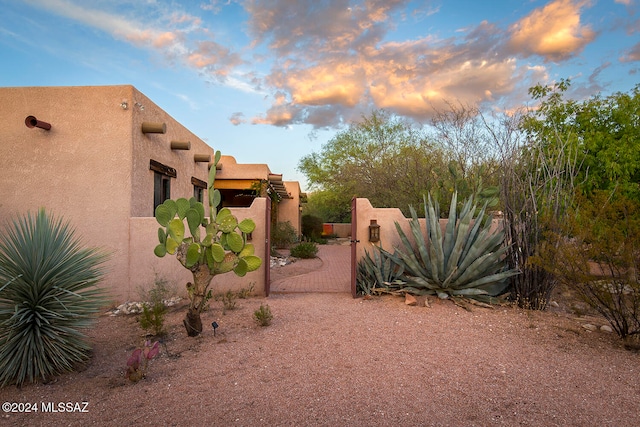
{"type": "Point", "coordinates": [198, 189]}
{"type": "Point", "coordinates": [161, 189]}
{"type": "Point", "coordinates": [162, 175]}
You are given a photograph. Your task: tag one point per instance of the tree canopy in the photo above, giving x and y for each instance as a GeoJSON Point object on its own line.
{"type": "Point", "coordinates": [394, 162]}
{"type": "Point", "coordinates": [605, 131]}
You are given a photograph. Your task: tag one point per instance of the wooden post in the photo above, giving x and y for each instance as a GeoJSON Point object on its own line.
{"type": "Point", "coordinates": [148, 127]}
{"type": "Point", "coordinates": [180, 145]}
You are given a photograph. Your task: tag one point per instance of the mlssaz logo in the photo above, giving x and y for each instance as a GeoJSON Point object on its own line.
{"type": "Point", "coordinates": [65, 407]}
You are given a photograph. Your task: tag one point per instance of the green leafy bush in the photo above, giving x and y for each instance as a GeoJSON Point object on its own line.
{"type": "Point", "coordinates": [597, 253]}
{"type": "Point", "coordinates": [154, 309]}
{"type": "Point", "coordinates": [468, 261]}
{"type": "Point", "coordinates": [305, 250]}
{"type": "Point", "coordinates": [283, 235]}
{"type": "Point", "coordinates": [312, 227]}
{"type": "Point", "coordinates": [48, 293]}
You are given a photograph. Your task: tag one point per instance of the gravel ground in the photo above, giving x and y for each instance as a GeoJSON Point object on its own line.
{"type": "Point", "coordinates": [331, 360]}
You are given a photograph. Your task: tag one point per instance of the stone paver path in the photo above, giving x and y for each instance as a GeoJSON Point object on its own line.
{"type": "Point", "coordinates": [334, 275]}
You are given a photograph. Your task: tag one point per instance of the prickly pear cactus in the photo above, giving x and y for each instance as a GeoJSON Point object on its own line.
{"type": "Point", "coordinates": [207, 246]}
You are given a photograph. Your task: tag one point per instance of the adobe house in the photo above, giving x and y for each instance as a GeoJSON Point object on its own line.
{"type": "Point", "coordinates": [103, 157]}
{"type": "Point", "coordinates": [240, 184]}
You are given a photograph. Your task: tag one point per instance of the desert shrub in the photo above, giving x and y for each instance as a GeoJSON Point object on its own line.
{"type": "Point", "coordinates": [305, 250]}
{"type": "Point", "coordinates": [283, 235]}
{"type": "Point", "coordinates": [244, 293]}
{"type": "Point", "coordinates": [263, 315]}
{"type": "Point", "coordinates": [154, 309]}
{"type": "Point", "coordinates": [311, 227]}
{"type": "Point", "coordinates": [48, 293]}
{"type": "Point", "coordinates": [376, 271]}
{"type": "Point", "coordinates": [229, 298]}
{"type": "Point", "coordinates": [228, 301]}
{"type": "Point", "coordinates": [598, 253]}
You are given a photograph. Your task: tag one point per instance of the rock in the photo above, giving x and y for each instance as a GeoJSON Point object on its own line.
{"type": "Point", "coordinates": [136, 307]}
{"type": "Point", "coordinates": [410, 299]}
{"type": "Point", "coordinates": [606, 328]}
{"type": "Point", "coordinates": [590, 327]}
{"type": "Point", "coordinates": [281, 261]}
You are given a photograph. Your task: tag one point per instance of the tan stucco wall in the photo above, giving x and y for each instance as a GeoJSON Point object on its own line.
{"type": "Point", "coordinates": [231, 169]}
{"type": "Point", "coordinates": [92, 167]}
{"type": "Point", "coordinates": [289, 209]}
{"type": "Point", "coordinates": [158, 147]}
{"type": "Point", "coordinates": [80, 169]}
{"type": "Point", "coordinates": [386, 219]}
{"type": "Point", "coordinates": [145, 266]}
{"type": "Point", "coordinates": [339, 229]}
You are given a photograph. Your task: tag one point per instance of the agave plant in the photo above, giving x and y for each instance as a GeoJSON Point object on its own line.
{"type": "Point", "coordinates": [48, 293]}
{"type": "Point", "coordinates": [467, 261]}
{"type": "Point", "coordinates": [377, 271]}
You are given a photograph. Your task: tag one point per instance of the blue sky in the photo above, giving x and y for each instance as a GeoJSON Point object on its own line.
{"type": "Point", "coordinates": [270, 81]}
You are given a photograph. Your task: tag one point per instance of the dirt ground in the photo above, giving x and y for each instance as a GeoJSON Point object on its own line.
{"type": "Point", "coordinates": [329, 359]}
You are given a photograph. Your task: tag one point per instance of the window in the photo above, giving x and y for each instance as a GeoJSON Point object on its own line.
{"type": "Point", "coordinates": [161, 189]}
{"type": "Point", "coordinates": [162, 175]}
{"type": "Point", "coordinates": [198, 189]}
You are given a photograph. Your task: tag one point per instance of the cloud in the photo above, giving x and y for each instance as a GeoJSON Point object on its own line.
{"type": "Point", "coordinates": [322, 62]}
{"type": "Point", "coordinates": [353, 70]}
{"type": "Point", "coordinates": [237, 119]}
{"type": "Point", "coordinates": [170, 34]}
{"type": "Point", "coordinates": [214, 58]}
{"type": "Point", "coordinates": [553, 31]}
{"type": "Point", "coordinates": [632, 54]}
{"type": "Point", "coordinates": [289, 26]}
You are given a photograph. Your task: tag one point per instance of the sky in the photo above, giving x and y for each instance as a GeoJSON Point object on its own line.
{"type": "Point", "coordinates": [271, 81]}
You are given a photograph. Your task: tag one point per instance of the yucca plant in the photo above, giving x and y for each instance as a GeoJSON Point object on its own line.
{"type": "Point", "coordinates": [48, 293]}
{"type": "Point", "coordinates": [468, 261]}
{"type": "Point", "coordinates": [377, 271]}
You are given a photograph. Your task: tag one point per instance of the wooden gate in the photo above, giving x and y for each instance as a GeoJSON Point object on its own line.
{"type": "Point", "coordinates": [267, 242]}
{"type": "Point", "coordinates": [354, 242]}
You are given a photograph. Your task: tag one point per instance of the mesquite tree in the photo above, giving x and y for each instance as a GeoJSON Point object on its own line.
{"type": "Point", "coordinates": [216, 245]}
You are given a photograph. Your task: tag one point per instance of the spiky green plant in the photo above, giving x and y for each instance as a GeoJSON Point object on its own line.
{"type": "Point", "coordinates": [467, 261]}
{"type": "Point", "coordinates": [377, 271]}
{"type": "Point", "coordinates": [48, 293]}
{"type": "Point", "coordinates": [263, 315]}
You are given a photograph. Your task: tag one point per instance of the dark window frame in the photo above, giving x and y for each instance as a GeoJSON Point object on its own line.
{"type": "Point", "coordinates": [162, 175]}
{"type": "Point", "coordinates": [198, 188]}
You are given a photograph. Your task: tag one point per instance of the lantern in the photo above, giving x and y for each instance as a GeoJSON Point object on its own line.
{"type": "Point", "coordinates": [374, 231]}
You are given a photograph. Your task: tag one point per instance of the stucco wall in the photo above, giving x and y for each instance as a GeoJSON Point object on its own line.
{"type": "Point", "coordinates": [386, 219]}
{"type": "Point", "coordinates": [80, 169]}
{"type": "Point", "coordinates": [231, 169]}
{"type": "Point", "coordinates": [289, 209]}
{"type": "Point", "coordinates": [92, 168]}
{"type": "Point", "coordinates": [338, 229]}
{"type": "Point", "coordinates": [145, 266]}
{"type": "Point", "coordinates": [158, 147]}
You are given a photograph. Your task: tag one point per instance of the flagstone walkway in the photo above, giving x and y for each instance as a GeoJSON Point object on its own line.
{"type": "Point", "coordinates": [334, 274]}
